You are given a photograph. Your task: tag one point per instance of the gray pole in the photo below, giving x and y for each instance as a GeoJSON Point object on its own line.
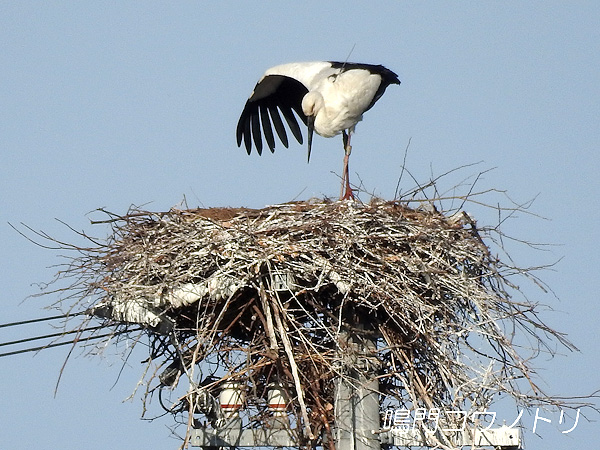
{"type": "Point", "coordinates": [356, 406]}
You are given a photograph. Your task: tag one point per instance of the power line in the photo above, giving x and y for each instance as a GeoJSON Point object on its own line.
{"type": "Point", "coordinates": [44, 319]}
{"type": "Point", "coordinates": [57, 344]}
{"type": "Point", "coordinates": [37, 338]}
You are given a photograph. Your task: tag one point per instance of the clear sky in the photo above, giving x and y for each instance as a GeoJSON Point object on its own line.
{"type": "Point", "coordinates": [109, 104]}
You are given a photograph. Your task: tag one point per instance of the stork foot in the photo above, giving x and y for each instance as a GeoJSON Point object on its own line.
{"type": "Point", "coordinates": [348, 195]}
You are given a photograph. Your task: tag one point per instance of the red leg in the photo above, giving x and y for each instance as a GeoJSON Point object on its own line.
{"type": "Point", "coordinates": [346, 191]}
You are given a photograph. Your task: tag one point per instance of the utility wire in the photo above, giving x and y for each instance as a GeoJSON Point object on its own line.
{"type": "Point", "coordinates": [57, 344]}
{"type": "Point", "coordinates": [37, 338]}
{"type": "Point", "coordinates": [23, 322]}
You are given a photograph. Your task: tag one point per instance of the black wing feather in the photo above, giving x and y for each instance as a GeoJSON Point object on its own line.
{"type": "Point", "coordinates": [292, 123]}
{"type": "Point", "coordinates": [278, 124]}
{"type": "Point", "coordinates": [243, 128]}
{"type": "Point", "coordinates": [266, 126]}
{"type": "Point", "coordinates": [247, 135]}
{"type": "Point", "coordinates": [271, 93]}
{"type": "Point", "coordinates": [256, 133]}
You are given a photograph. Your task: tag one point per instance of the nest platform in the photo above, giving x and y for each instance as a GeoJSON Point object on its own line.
{"type": "Point", "coordinates": [259, 296]}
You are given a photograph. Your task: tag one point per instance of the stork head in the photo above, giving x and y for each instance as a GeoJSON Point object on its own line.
{"type": "Point", "coordinates": [312, 103]}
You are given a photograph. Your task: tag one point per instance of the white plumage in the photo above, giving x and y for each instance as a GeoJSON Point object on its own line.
{"type": "Point", "coordinates": [329, 97]}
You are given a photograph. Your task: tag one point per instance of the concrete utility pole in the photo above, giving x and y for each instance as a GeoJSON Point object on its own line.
{"type": "Point", "coordinates": [356, 406]}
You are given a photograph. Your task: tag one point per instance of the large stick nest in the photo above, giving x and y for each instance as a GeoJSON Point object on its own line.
{"type": "Point", "coordinates": [273, 294]}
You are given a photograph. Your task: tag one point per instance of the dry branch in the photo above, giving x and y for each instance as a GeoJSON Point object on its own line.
{"type": "Point", "coordinates": [262, 295]}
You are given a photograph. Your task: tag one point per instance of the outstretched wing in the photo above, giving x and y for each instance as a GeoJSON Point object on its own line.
{"type": "Point", "coordinates": [272, 94]}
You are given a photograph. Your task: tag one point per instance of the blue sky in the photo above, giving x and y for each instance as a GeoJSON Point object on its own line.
{"type": "Point", "coordinates": [118, 103]}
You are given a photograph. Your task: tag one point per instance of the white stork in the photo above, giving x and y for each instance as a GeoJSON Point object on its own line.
{"type": "Point", "coordinates": [330, 98]}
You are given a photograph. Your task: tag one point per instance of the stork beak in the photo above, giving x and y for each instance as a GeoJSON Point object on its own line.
{"type": "Point", "coordinates": [311, 128]}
